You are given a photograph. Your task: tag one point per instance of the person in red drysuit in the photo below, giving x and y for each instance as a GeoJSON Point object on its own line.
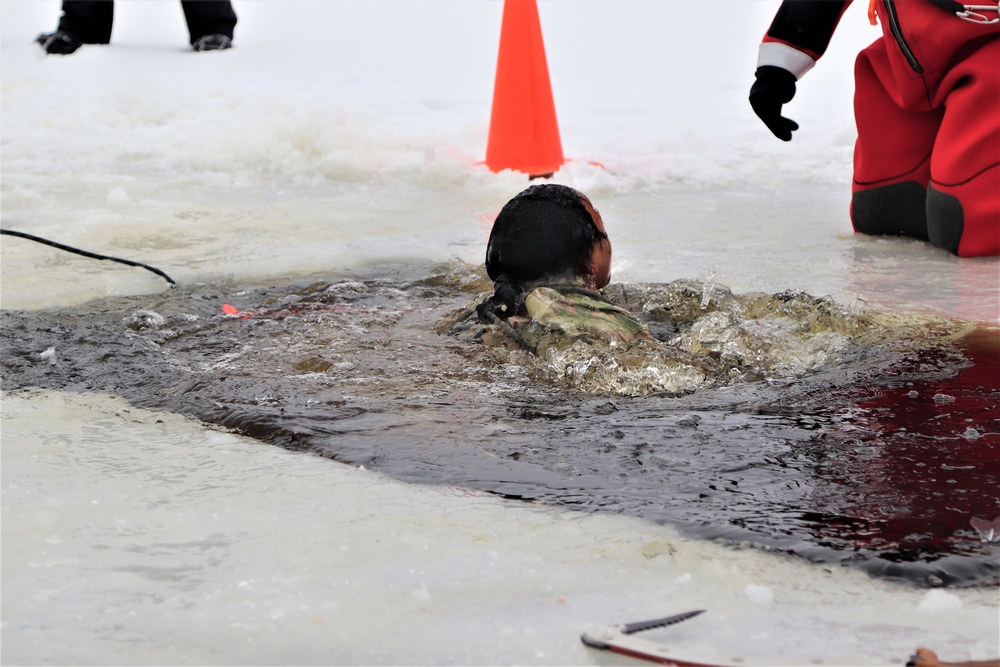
{"type": "Point", "coordinates": [927, 106]}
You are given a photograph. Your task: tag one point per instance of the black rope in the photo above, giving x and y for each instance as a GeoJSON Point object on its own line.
{"type": "Point", "coordinates": [92, 255]}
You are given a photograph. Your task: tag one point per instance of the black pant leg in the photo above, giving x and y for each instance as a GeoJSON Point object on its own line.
{"type": "Point", "coordinates": [209, 17]}
{"type": "Point", "coordinates": [89, 20]}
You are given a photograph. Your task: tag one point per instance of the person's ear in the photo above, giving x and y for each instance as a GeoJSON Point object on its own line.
{"type": "Point", "coordinates": [588, 272]}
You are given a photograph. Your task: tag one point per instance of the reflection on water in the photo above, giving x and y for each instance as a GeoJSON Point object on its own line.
{"type": "Point", "coordinates": [782, 421]}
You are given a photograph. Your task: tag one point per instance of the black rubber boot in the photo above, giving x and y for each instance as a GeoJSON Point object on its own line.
{"type": "Point", "coordinates": [945, 220]}
{"type": "Point", "coordinates": [59, 42]}
{"type": "Point", "coordinates": [899, 209]}
{"type": "Point", "coordinates": [212, 43]}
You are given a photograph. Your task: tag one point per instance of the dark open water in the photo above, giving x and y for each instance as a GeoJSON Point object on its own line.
{"type": "Point", "coordinates": [778, 421]}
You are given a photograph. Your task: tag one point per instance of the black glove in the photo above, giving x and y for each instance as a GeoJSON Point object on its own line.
{"type": "Point", "coordinates": [774, 86]}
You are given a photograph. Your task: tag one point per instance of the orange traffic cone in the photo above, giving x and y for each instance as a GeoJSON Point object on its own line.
{"type": "Point", "coordinates": [524, 134]}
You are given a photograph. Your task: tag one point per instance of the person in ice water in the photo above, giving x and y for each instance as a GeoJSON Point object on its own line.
{"type": "Point", "coordinates": [210, 25]}
{"type": "Point", "coordinates": [927, 158]}
{"type": "Point", "coordinates": [548, 256]}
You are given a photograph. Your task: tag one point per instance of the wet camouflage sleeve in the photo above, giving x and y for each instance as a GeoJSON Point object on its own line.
{"type": "Point", "coordinates": [562, 317]}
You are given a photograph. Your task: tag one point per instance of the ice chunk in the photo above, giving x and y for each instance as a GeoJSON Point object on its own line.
{"type": "Point", "coordinates": [48, 355]}
{"type": "Point", "coordinates": [938, 600]}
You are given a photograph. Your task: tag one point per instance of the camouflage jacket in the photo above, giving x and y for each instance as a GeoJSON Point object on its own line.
{"type": "Point", "coordinates": [559, 315]}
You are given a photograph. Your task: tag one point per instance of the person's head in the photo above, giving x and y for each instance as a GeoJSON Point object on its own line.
{"type": "Point", "coordinates": [549, 232]}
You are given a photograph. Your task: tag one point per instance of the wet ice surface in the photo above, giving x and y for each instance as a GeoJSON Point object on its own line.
{"type": "Point", "coordinates": [878, 449]}
{"type": "Point", "coordinates": [142, 537]}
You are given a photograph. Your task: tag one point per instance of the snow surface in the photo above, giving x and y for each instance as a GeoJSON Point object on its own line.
{"type": "Point", "coordinates": [135, 537]}
{"type": "Point", "coordinates": [338, 135]}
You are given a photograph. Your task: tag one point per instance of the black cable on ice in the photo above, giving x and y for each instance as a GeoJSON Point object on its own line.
{"type": "Point", "coordinates": [92, 255]}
